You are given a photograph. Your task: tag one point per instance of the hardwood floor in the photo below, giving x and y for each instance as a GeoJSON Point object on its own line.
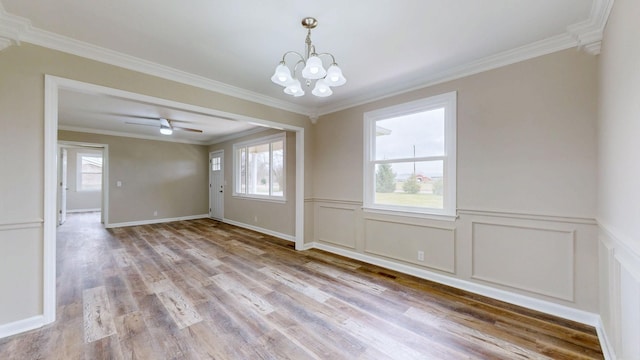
{"type": "Point", "coordinates": [205, 290]}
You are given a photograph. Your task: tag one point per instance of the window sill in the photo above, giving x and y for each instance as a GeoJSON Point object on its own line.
{"type": "Point", "coordinates": [260, 198]}
{"type": "Point", "coordinates": [413, 214]}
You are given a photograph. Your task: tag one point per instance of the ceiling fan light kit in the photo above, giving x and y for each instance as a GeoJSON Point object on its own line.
{"type": "Point", "coordinates": [166, 126]}
{"type": "Point", "coordinates": [313, 69]}
{"type": "Point", "coordinates": [165, 130]}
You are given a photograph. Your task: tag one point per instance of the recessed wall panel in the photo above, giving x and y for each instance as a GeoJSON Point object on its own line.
{"type": "Point", "coordinates": [20, 273]}
{"type": "Point", "coordinates": [337, 225]}
{"type": "Point", "coordinates": [404, 242]}
{"type": "Point", "coordinates": [537, 260]}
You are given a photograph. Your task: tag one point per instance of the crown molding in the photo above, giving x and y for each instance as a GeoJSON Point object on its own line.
{"type": "Point", "coordinates": [237, 135]}
{"type": "Point", "coordinates": [586, 35]}
{"type": "Point", "coordinates": [539, 48]}
{"type": "Point", "coordinates": [20, 29]}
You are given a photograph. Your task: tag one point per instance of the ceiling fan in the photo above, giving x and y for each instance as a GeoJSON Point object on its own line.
{"type": "Point", "coordinates": [167, 126]}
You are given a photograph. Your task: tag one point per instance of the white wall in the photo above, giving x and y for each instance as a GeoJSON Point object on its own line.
{"type": "Point", "coordinates": [526, 188]}
{"type": "Point", "coordinates": [619, 179]}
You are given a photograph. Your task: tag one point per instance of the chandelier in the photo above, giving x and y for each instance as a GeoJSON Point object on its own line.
{"type": "Point", "coordinates": [312, 69]}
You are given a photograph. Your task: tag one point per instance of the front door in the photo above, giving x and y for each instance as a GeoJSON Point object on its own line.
{"type": "Point", "coordinates": [216, 185]}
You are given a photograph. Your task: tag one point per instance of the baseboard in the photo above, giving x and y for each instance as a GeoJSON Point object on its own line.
{"type": "Point", "coordinates": [83, 210]}
{"type": "Point", "coordinates": [261, 230]}
{"type": "Point", "coordinates": [21, 326]}
{"type": "Point", "coordinates": [605, 344]}
{"type": "Point", "coordinates": [547, 307]}
{"type": "Point", "coordinates": [308, 246]}
{"type": "Point", "coordinates": [156, 221]}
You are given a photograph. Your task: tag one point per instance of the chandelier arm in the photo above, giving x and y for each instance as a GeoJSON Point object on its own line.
{"type": "Point", "coordinates": [292, 52]}
{"type": "Point", "coordinates": [295, 67]}
{"type": "Point", "coordinates": [333, 59]}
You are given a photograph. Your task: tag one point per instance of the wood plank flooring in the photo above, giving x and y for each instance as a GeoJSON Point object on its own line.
{"type": "Point", "coordinates": [205, 290]}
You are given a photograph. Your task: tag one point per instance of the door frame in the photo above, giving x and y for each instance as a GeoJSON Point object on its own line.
{"type": "Point", "coordinates": [104, 204]}
{"type": "Point", "coordinates": [52, 85]}
{"type": "Point", "coordinates": [62, 185]}
{"type": "Point", "coordinates": [224, 186]}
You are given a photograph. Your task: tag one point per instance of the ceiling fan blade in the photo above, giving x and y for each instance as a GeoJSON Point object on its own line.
{"type": "Point", "coordinates": [164, 122]}
{"type": "Point", "coordinates": [186, 129]}
{"type": "Point", "coordinates": [139, 123]}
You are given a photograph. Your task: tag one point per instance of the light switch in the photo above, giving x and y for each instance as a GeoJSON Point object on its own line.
{"type": "Point", "coordinates": [118, 183]}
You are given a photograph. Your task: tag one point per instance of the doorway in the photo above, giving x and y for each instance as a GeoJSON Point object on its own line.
{"type": "Point", "coordinates": [53, 85]}
{"type": "Point", "coordinates": [216, 185]}
{"type": "Point", "coordinates": [82, 170]}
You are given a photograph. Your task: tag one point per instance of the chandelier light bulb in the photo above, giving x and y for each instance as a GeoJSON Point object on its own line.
{"type": "Point", "coordinates": [314, 70]}
{"type": "Point", "coordinates": [322, 89]}
{"type": "Point", "coordinates": [294, 88]}
{"type": "Point", "coordinates": [334, 76]}
{"type": "Point", "coordinates": [282, 75]}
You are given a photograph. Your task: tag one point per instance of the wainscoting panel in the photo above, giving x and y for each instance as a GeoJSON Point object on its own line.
{"type": "Point", "coordinates": [630, 313]}
{"type": "Point", "coordinates": [21, 272]}
{"type": "Point", "coordinates": [537, 260]}
{"type": "Point", "coordinates": [336, 225]}
{"type": "Point", "coordinates": [402, 241]}
{"type": "Point", "coordinates": [541, 261]}
{"type": "Point", "coordinates": [620, 293]}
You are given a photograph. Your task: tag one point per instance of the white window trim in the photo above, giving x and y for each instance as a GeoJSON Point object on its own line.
{"type": "Point", "coordinates": [448, 101]}
{"type": "Point", "coordinates": [260, 141]}
{"type": "Point", "coordinates": [79, 172]}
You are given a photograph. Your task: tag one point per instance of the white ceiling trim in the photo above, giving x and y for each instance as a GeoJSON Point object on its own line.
{"type": "Point", "coordinates": [20, 29]}
{"type": "Point", "coordinates": [238, 135]}
{"type": "Point", "coordinates": [509, 57]}
{"type": "Point", "coordinates": [587, 35]}
{"type": "Point", "coordinates": [162, 137]}
{"type": "Point", "coordinates": [129, 135]}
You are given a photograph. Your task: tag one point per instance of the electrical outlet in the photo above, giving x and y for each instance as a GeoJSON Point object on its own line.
{"type": "Point", "coordinates": [255, 219]}
{"type": "Point", "coordinates": [155, 213]}
{"type": "Point", "coordinates": [420, 255]}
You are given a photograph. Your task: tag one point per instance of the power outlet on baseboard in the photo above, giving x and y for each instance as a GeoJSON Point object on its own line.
{"type": "Point", "coordinates": [420, 255]}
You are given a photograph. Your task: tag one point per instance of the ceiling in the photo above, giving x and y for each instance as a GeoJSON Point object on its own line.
{"type": "Point", "coordinates": [122, 116]}
{"type": "Point", "coordinates": [384, 47]}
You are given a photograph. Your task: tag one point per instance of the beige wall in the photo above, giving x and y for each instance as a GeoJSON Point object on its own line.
{"type": "Point", "coordinates": [22, 70]}
{"type": "Point", "coordinates": [76, 199]}
{"type": "Point", "coordinates": [618, 179]}
{"type": "Point", "coordinates": [167, 177]}
{"type": "Point", "coordinates": [526, 163]}
{"type": "Point", "coordinates": [272, 216]}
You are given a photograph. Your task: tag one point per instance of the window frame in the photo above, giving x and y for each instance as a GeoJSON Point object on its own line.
{"type": "Point", "coordinates": [270, 139]}
{"type": "Point", "coordinates": [448, 101]}
{"type": "Point", "coordinates": [79, 172]}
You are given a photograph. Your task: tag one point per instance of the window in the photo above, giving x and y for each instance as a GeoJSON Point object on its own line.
{"type": "Point", "coordinates": [410, 157]}
{"type": "Point", "coordinates": [216, 164]}
{"type": "Point", "coordinates": [89, 172]}
{"type": "Point", "coordinates": [259, 168]}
